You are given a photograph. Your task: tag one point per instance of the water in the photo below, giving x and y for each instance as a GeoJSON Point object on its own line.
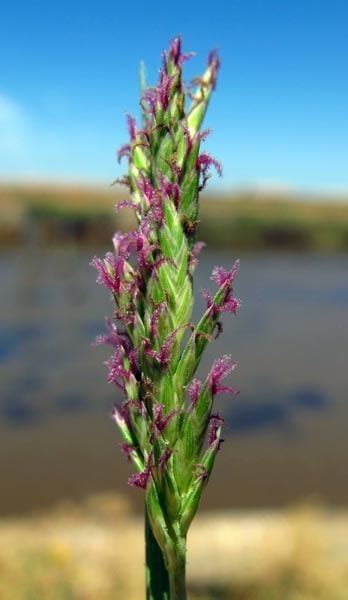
{"type": "Point", "coordinates": [285, 434]}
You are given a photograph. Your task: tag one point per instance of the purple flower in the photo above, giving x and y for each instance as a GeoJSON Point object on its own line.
{"type": "Point", "coordinates": [171, 190]}
{"type": "Point", "coordinates": [155, 214]}
{"type": "Point", "coordinates": [196, 250]}
{"type": "Point", "coordinates": [215, 424]}
{"type": "Point", "coordinates": [127, 204]}
{"type": "Point", "coordinates": [120, 414]}
{"type": "Point", "coordinates": [155, 318]}
{"type": "Point", "coordinates": [133, 356]}
{"type": "Point", "coordinates": [127, 317]}
{"type": "Point", "coordinates": [159, 95]}
{"type": "Point", "coordinates": [137, 242]}
{"type": "Point", "coordinates": [197, 138]}
{"type": "Point", "coordinates": [165, 456]}
{"type": "Point", "coordinates": [193, 390]}
{"type": "Point", "coordinates": [110, 271]}
{"type": "Point", "coordinates": [147, 190]}
{"type": "Point", "coordinates": [230, 304]}
{"type": "Point", "coordinates": [175, 50]}
{"type": "Point", "coordinates": [127, 450]}
{"type": "Point", "coordinates": [222, 277]}
{"type": "Point", "coordinates": [118, 374]}
{"type": "Point", "coordinates": [120, 243]}
{"type": "Point", "coordinates": [137, 406]}
{"type": "Point", "coordinates": [214, 308]}
{"type": "Point", "coordinates": [150, 99]}
{"type": "Point", "coordinates": [112, 336]}
{"type": "Point", "coordinates": [163, 90]}
{"type": "Point", "coordinates": [140, 480]}
{"type": "Point", "coordinates": [163, 355]}
{"type": "Point", "coordinates": [205, 161]}
{"type": "Point", "coordinates": [201, 136]}
{"type": "Point", "coordinates": [175, 53]}
{"type": "Point", "coordinates": [220, 369]}
{"type": "Point", "coordinates": [214, 64]}
{"type": "Point", "coordinates": [161, 420]}
{"type": "Point", "coordinates": [124, 151]}
{"type": "Point", "coordinates": [153, 199]}
{"type": "Point", "coordinates": [132, 130]}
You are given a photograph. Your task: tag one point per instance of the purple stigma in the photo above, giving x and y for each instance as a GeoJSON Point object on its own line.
{"type": "Point", "coordinates": [193, 390]}
{"type": "Point", "coordinates": [124, 151]}
{"type": "Point", "coordinates": [127, 450]}
{"type": "Point", "coordinates": [165, 456]}
{"type": "Point", "coordinates": [175, 53]}
{"type": "Point", "coordinates": [112, 337]}
{"type": "Point", "coordinates": [150, 98]}
{"type": "Point", "coordinates": [127, 204]}
{"type": "Point", "coordinates": [163, 89]}
{"type": "Point", "coordinates": [140, 480]}
{"type": "Point", "coordinates": [175, 50]}
{"type": "Point", "coordinates": [155, 318]}
{"type": "Point", "coordinates": [120, 414]}
{"type": "Point", "coordinates": [216, 422]}
{"type": "Point", "coordinates": [118, 373]}
{"type": "Point", "coordinates": [171, 190]}
{"type": "Point", "coordinates": [214, 64]}
{"type": "Point", "coordinates": [221, 368]}
{"type": "Point", "coordinates": [230, 304]}
{"type": "Point", "coordinates": [205, 161]}
{"type": "Point", "coordinates": [197, 248]}
{"type": "Point", "coordinates": [209, 301]}
{"type": "Point", "coordinates": [110, 271]}
{"type": "Point", "coordinates": [221, 276]}
{"type": "Point", "coordinates": [201, 136]}
{"type": "Point", "coordinates": [132, 130]}
{"type": "Point", "coordinates": [163, 355]}
{"type": "Point", "coordinates": [160, 420]}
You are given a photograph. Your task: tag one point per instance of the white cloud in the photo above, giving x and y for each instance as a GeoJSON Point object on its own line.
{"type": "Point", "coordinates": [13, 128]}
{"type": "Point", "coordinates": [17, 139]}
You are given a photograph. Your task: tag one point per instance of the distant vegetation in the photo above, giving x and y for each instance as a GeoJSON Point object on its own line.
{"type": "Point", "coordinates": [245, 221]}
{"type": "Point", "coordinates": [95, 550]}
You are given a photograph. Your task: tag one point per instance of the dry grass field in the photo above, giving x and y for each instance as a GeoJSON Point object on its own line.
{"type": "Point", "coordinates": [95, 550]}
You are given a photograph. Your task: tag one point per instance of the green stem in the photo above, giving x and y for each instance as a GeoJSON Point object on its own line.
{"type": "Point", "coordinates": [162, 584]}
{"type": "Point", "coordinates": [157, 578]}
{"type": "Point", "coordinates": [177, 575]}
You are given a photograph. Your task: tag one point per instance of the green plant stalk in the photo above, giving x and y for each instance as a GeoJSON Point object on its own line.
{"type": "Point", "coordinates": [177, 573]}
{"type": "Point", "coordinates": [157, 576]}
{"type": "Point", "coordinates": [169, 430]}
{"type": "Point", "coordinates": [164, 583]}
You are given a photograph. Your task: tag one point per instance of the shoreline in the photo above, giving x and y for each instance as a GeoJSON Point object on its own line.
{"type": "Point", "coordinates": [51, 215]}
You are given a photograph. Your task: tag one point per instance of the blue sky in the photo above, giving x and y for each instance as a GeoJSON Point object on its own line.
{"type": "Point", "coordinates": [69, 72]}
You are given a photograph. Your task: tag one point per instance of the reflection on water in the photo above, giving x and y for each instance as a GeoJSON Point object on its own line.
{"type": "Point", "coordinates": [287, 425]}
{"type": "Point", "coordinates": [268, 411]}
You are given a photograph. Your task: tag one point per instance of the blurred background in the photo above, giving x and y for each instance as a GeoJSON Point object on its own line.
{"type": "Point", "coordinates": [275, 511]}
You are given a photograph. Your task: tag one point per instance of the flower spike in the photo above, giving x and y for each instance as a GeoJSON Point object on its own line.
{"type": "Point", "coordinates": [170, 432]}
